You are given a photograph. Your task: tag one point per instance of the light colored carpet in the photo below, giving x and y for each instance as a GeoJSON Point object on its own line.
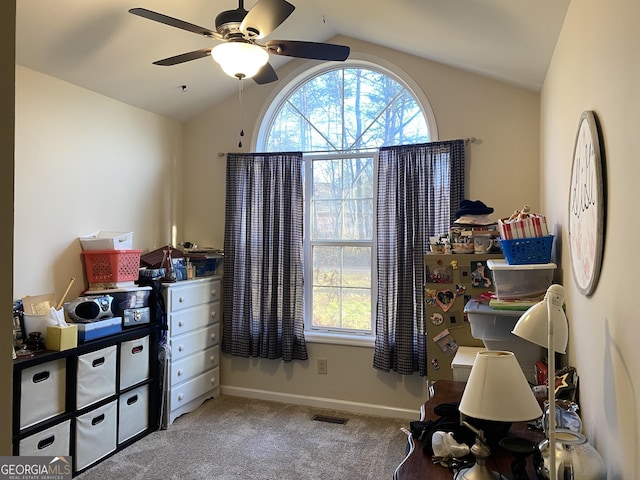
{"type": "Point", "coordinates": [234, 438]}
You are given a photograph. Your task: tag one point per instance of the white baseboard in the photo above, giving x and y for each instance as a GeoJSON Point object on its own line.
{"type": "Point", "coordinates": [322, 402]}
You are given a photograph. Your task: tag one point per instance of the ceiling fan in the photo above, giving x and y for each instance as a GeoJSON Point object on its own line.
{"type": "Point", "coordinates": [240, 55]}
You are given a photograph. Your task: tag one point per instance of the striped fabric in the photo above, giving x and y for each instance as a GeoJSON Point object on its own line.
{"type": "Point", "coordinates": [419, 190]}
{"type": "Point", "coordinates": [263, 284]}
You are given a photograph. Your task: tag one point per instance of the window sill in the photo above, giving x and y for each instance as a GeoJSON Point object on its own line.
{"type": "Point", "coordinates": [340, 339]}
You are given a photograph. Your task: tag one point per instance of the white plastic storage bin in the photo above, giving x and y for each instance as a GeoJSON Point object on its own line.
{"type": "Point", "coordinates": [134, 362]}
{"type": "Point", "coordinates": [96, 377]}
{"type": "Point", "coordinates": [133, 417]}
{"type": "Point", "coordinates": [463, 361]}
{"type": "Point", "coordinates": [42, 394]}
{"type": "Point", "coordinates": [107, 241]}
{"type": "Point", "coordinates": [95, 434]}
{"type": "Point", "coordinates": [520, 281]}
{"type": "Point", "coordinates": [52, 442]}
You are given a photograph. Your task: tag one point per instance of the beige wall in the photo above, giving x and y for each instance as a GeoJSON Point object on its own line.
{"type": "Point", "coordinates": [84, 163]}
{"type": "Point", "coordinates": [503, 172]}
{"type": "Point", "coordinates": [7, 104]}
{"type": "Point", "coordinates": [595, 67]}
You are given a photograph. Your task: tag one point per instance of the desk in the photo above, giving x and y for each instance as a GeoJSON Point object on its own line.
{"type": "Point", "coordinates": [418, 466]}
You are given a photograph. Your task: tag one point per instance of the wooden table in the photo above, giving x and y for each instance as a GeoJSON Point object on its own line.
{"type": "Point", "coordinates": [418, 466]}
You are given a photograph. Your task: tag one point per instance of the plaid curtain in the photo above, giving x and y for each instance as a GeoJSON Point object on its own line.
{"type": "Point", "coordinates": [263, 285]}
{"type": "Point", "coordinates": [419, 190]}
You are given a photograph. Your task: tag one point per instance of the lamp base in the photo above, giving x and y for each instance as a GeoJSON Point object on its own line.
{"type": "Point", "coordinates": [477, 472]}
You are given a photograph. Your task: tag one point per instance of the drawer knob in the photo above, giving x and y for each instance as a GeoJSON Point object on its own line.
{"type": "Point", "coordinates": [213, 359]}
{"type": "Point", "coordinates": [180, 397]}
{"type": "Point", "coordinates": [213, 336]}
{"type": "Point", "coordinates": [213, 381]}
{"type": "Point", "coordinates": [213, 314]}
{"type": "Point", "coordinates": [179, 373]}
{"type": "Point", "coordinates": [214, 292]}
{"type": "Point", "coordinates": [181, 323]}
{"type": "Point", "coordinates": [181, 299]}
{"type": "Point", "coordinates": [180, 348]}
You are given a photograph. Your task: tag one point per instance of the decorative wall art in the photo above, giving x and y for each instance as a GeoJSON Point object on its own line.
{"type": "Point", "coordinates": [587, 204]}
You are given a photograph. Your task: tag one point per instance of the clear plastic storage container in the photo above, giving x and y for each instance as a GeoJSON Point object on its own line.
{"type": "Point", "coordinates": [520, 281]}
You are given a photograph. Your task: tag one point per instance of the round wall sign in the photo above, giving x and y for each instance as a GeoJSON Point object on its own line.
{"type": "Point", "coordinates": [587, 205]}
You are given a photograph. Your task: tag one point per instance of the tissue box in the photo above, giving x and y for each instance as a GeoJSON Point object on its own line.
{"type": "Point", "coordinates": [61, 338]}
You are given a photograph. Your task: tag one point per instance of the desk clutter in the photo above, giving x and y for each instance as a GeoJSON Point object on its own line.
{"type": "Point", "coordinates": [119, 294]}
{"type": "Point", "coordinates": [523, 237]}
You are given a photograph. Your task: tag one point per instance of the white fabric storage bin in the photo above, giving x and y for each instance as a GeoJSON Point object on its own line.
{"type": "Point", "coordinates": [95, 434]}
{"type": "Point", "coordinates": [134, 362]}
{"type": "Point", "coordinates": [96, 377]}
{"type": "Point", "coordinates": [54, 442]}
{"type": "Point", "coordinates": [42, 392]}
{"type": "Point", "coordinates": [133, 416]}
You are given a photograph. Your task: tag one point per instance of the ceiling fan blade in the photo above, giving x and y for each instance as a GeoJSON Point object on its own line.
{"type": "Point", "coordinates": [265, 16]}
{"type": "Point", "coordinates": [313, 50]}
{"type": "Point", "coordinates": [184, 57]}
{"type": "Point", "coordinates": [174, 22]}
{"type": "Point", "coordinates": [265, 75]}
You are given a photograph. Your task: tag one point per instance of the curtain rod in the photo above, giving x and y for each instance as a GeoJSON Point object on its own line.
{"type": "Point", "coordinates": [467, 141]}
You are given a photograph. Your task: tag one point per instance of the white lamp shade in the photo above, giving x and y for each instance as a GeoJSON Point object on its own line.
{"type": "Point", "coordinates": [498, 390]}
{"type": "Point", "coordinates": [239, 59]}
{"type": "Point", "coordinates": [534, 324]}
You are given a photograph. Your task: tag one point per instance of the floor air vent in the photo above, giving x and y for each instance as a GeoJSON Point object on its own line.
{"type": "Point", "coordinates": [328, 419]}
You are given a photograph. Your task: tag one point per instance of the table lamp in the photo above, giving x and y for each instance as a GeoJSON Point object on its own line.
{"type": "Point", "coordinates": [496, 390]}
{"type": "Point", "coordinates": [545, 324]}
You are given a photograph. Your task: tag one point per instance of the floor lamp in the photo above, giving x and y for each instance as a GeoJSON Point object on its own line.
{"type": "Point", "coordinates": [545, 324]}
{"type": "Point", "coordinates": [498, 391]}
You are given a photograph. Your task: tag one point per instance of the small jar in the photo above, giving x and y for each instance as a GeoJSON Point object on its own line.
{"type": "Point", "coordinates": [567, 417]}
{"type": "Point", "coordinates": [576, 458]}
{"type": "Point", "coordinates": [35, 342]}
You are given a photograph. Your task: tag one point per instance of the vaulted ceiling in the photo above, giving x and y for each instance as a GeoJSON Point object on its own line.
{"type": "Point", "coordinates": [100, 46]}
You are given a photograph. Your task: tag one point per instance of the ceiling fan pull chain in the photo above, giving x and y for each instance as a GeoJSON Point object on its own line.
{"type": "Point", "coordinates": [241, 112]}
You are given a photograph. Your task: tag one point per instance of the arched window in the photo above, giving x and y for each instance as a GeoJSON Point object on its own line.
{"type": "Point", "coordinates": [338, 115]}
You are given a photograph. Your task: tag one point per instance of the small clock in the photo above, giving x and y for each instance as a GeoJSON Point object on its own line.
{"type": "Point", "coordinates": [587, 205]}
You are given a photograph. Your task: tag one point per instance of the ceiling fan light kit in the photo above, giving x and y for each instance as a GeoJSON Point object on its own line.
{"type": "Point", "coordinates": [240, 59]}
{"type": "Point", "coordinates": [241, 56]}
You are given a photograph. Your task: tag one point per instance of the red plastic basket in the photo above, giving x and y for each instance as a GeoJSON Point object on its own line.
{"type": "Point", "coordinates": [111, 266]}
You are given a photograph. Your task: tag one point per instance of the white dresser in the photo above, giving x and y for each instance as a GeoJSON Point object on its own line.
{"type": "Point", "coordinates": [192, 372]}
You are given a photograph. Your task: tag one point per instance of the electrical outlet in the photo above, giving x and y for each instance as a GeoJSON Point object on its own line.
{"type": "Point", "coordinates": [322, 366]}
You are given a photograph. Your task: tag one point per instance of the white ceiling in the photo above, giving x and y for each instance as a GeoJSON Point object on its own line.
{"type": "Point", "coordinates": [98, 45]}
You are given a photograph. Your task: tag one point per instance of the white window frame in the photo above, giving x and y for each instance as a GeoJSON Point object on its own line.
{"type": "Point", "coordinates": [291, 82]}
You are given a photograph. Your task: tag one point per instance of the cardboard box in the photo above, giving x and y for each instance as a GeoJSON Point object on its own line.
{"type": "Point", "coordinates": [61, 338]}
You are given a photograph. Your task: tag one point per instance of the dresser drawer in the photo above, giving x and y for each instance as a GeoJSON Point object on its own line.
{"type": "Point", "coordinates": [184, 321]}
{"type": "Point", "coordinates": [96, 376]}
{"type": "Point", "coordinates": [194, 342]}
{"type": "Point", "coordinates": [194, 388]}
{"type": "Point", "coordinates": [190, 295]}
{"type": "Point", "coordinates": [193, 365]}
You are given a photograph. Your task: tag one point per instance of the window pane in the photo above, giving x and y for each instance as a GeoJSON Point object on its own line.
{"type": "Point", "coordinates": [356, 267]}
{"type": "Point", "coordinates": [356, 309]}
{"type": "Point", "coordinates": [342, 287]}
